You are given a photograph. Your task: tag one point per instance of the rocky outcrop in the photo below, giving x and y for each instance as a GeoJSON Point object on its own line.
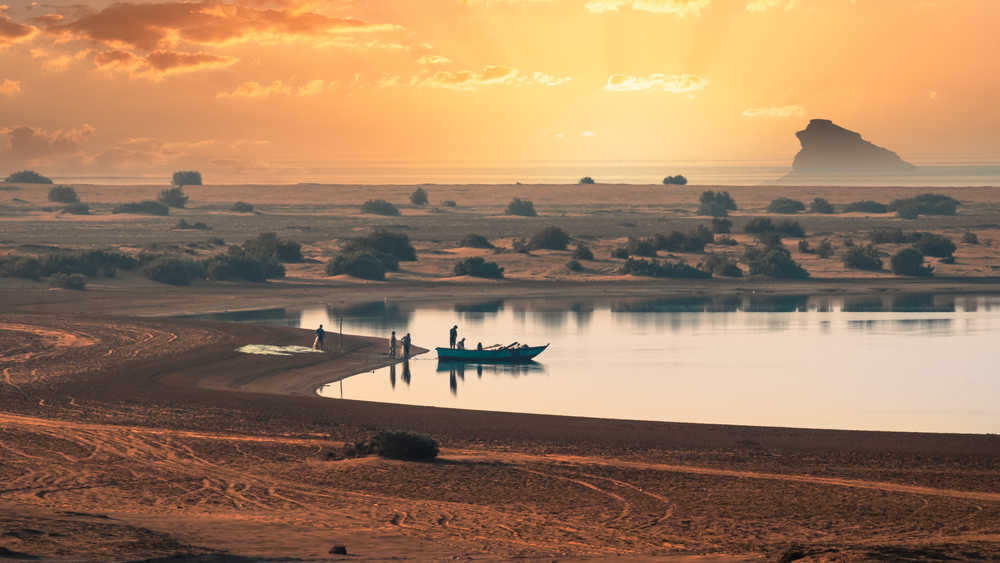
{"type": "Point", "coordinates": [828, 149]}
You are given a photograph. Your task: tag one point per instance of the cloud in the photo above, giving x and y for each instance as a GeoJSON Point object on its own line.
{"type": "Point", "coordinates": [253, 89]}
{"type": "Point", "coordinates": [433, 60]}
{"type": "Point", "coordinates": [12, 32]}
{"type": "Point", "coordinates": [779, 111]}
{"type": "Point", "coordinates": [159, 64]}
{"type": "Point", "coordinates": [469, 80]}
{"type": "Point", "coordinates": [10, 87]}
{"type": "Point", "coordinates": [681, 8]}
{"type": "Point", "coordinates": [673, 83]}
{"type": "Point", "coordinates": [765, 5]}
{"type": "Point", "coordinates": [388, 80]}
{"type": "Point", "coordinates": [27, 145]}
{"type": "Point", "coordinates": [548, 79]}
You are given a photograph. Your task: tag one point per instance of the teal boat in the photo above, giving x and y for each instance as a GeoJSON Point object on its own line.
{"type": "Point", "coordinates": [505, 354]}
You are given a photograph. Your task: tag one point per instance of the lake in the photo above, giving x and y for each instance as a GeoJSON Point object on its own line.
{"type": "Point", "coordinates": [907, 363]}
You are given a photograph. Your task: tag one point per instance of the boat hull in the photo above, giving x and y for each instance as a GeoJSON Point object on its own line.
{"type": "Point", "coordinates": [506, 355]}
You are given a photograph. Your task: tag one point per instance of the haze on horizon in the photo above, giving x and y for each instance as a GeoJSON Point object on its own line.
{"type": "Point", "coordinates": [241, 88]}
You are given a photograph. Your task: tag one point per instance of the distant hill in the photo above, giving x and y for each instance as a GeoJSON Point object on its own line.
{"type": "Point", "coordinates": [831, 150]}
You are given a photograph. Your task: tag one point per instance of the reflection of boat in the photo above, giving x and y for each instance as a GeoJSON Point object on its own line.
{"type": "Point", "coordinates": [505, 354]}
{"type": "Point", "coordinates": [506, 368]}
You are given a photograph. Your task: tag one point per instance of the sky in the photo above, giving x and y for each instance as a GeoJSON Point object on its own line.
{"type": "Point", "coordinates": [255, 88]}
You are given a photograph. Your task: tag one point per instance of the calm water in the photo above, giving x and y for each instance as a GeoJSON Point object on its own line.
{"type": "Point", "coordinates": [912, 363]}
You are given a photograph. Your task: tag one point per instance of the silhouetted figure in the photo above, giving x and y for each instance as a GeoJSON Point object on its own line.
{"type": "Point", "coordinates": [406, 372]}
{"type": "Point", "coordinates": [320, 335]}
{"type": "Point", "coordinates": [392, 345]}
{"type": "Point", "coordinates": [405, 341]}
{"type": "Point", "coordinates": [479, 346]}
{"type": "Point", "coordinates": [461, 344]}
{"type": "Point", "coordinates": [452, 336]}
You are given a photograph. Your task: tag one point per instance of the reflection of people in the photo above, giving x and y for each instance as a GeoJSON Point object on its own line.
{"type": "Point", "coordinates": [452, 336]}
{"type": "Point", "coordinates": [392, 375]}
{"type": "Point", "coordinates": [453, 383]}
{"type": "Point", "coordinates": [392, 345]}
{"type": "Point", "coordinates": [406, 346]}
{"type": "Point", "coordinates": [320, 335]}
{"type": "Point", "coordinates": [461, 344]}
{"type": "Point", "coordinates": [406, 371]}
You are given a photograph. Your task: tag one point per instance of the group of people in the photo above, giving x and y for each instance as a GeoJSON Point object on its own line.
{"type": "Point", "coordinates": [453, 342]}
{"type": "Point", "coordinates": [404, 341]}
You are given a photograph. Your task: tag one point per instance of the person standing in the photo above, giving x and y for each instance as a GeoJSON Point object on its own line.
{"type": "Point", "coordinates": [392, 345]}
{"type": "Point", "coordinates": [406, 346]}
{"type": "Point", "coordinates": [452, 336]}
{"type": "Point", "coordinates": [320, 335]}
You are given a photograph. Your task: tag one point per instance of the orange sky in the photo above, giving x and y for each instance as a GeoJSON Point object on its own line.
{"type": "Point", "coordinates": [250, 86]}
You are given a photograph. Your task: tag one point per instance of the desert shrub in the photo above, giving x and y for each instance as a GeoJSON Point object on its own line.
{"type": "Point", "coordinates": [721, 225]}
{"type": "Point", "coordinates": [267, 246]}
{"type": "Point", "coordinates": [236, 265]}
{"type": "Point", "coordinates": [477, 267]}
{"type": "Point", "coordinates": [419, 197]}
{"type": "Point", "coordinates": [825, 248]}
{"type": "Point", "coordinates": [786, 206]}
{"type": "Point", "coordinates": [476, 241]}
{"type": "Point", "coordinates": [574, 266]}
{"type": "Point", "coordinates": [409, 446]}
{"type": "Point", "coordinates": [242, 207]}
{"type": "Point", "coordinates": [77, 209]}
{"type": "Point", "coordinates": [521, 246]}
{"type": "Point", "coordinates": [893, 235]}
{"type": "Point", "coordinates": [142, 208]}
{"type": "Point", "coordinates": [186, 178]}
{"type": "Point", "coordinates": [641, 247]}
{"type": "Point", "coordinates": [666, 269]}
{"type": "Point", "coordinates": [934, 245]}
{"type": "Point", "coordinates": [848, 242]}
{"type": "Point", "coordinates": [865, 206]}
{"type": "Point", "coordinates": [173, 197]}
{"type": "Point", "coordinates": [716, 204]}
{"type": "Point", "coordinates": [910, 262]}
{"type": "Point", "coordinates": [621, 253]}
{"type": "Point", "coordinates": [760, 225]}
{"type": "Point", "coordinates": [726, 240]}
{"type": "Point", "coordinates": [521, 207]}
{"type": "Point", "coordinates": [380, 207]}
{"type": "Point", "coordinates": [774, 262]}
{"type": "Point", "coordinates": [677, 241]}
{"type": "Point", "coordinates": [550, 238]}
{"type": "Point", "coordinates": [68, 281]}
{"type": "Point", "coordinates": [677, 180]}
{"type": "Point", "coordinates": [586, 180]}
{"type": "Point", "coordinates": [769, 239]}
{"type": "Point", "coordinates": [908, 211]}
{"type": "Point", "coordinates": [25, 267]}
{"type": "Point", "coordinates": [804, 247]}
{"type": "Point", "coordinates": [362, 265]}
{"type": "Point", "coordinates": [970, 238]}
{"type": "Point", "coordinates": [385, 242]}
{"type": "Point", "coordinates": [947, 260]}
{"type": "Point", "coordinates": [174, 271]}
{"type": "Point", "coordinates": [63, 194]}
{"type": "Point", "coordinates": [820, 205]}
{"type": "Point", "coordinates": [583, 252]}
{"type": "Point", "coordinates": [27, 177]}
{"type": "Point", "coordinates": [198, 226]}
{"type": "Point", "coordinates": [449, 203]}
{"type": "Point", "coordinates": [720, 265]}
{"type": "Point", "coordinates": [925, 204]}
{"type": "Point", "coordinates": [89, 263]}
{"type": "Point", "coordinates": [862, 258]}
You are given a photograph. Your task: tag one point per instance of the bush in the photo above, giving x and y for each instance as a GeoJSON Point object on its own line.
{"type": "Point", "coordinates": [449, 203]}
{"type": "Point", "coordinates": [820, 205]}
{"type": "Point", "coordinates": [934, 245]}
{"type": "Point", "coordinates": [948, 260]}
{"type": "Point", "coordinates": [267, 246]}
{"type": "Point", "coordinates": [479, 268]}
{"type": "Point", "coordinates": [27, 177]}
{"type": "Point", "coordinates": [384, 242]}
{"type": "Point", "coordinates": [550, 238]}
{"type": "Point", "coordinates": [721, 266]}
{"type": "Point", "coordinates": [520, 246]}
{"type": "Point", "coordinates": [925, 204]}
{"type": "Point", "coordinates": [418, 197]}
{"type": "Point", "coordinates": [409, 446]}
{"type": "Point", "coordinates": [760, 225]}
{"type": "Point", "coordinates": [725, 240]}
{"type": "Point", "coordinates": [242, 207]}
{"type": "Point", "coordinates": [908, 211]}
{"type": "Point", "coordinates": [173, 197]}
{"type": "Point", "coordinates": [970, 238]}
{"type": "Point", "coordinates": [677, 180]}
{"type": "Point", "coordinates": [476, 241]}
{"type": "Point", "coordinates": [893, 235]}
{"type": "Point", "coordinates": [216, 241]}
{"type": "Point", "coordinates": [236, 265]}
{"type": "Point", "coordinates": [143, 208]}
{"type": "Point", "coordinates": [652, 268]}
{"type": "Point", "coordinates": [862, 258]}
{"type": "Point", "coordinates": [199, 226]}
{"type": "Point", "coordinates": [775, 262]}
{"type": "Point", "coordinates": [77, 209]}
{"type": "Point", "coordinates": [380, 207]}
{"type": "Point", "coordinates": [680, 242]}
{"type": "Point", "coordinates": [910, 262]}
{"type": "Point", "coordinates": [621, 253]}
{"type": "Point", "coordinates": [721, 225]}
{"type": "Point", "coordinates": [865, 206]}
{"type": "Point", "coordinates": [362, 265]}
{"type": "Point", "coordinates": [187, 178]}
{"type": "Point", "coordinates": [68, 281]}
{"type": "Point", "coordinates": [63, 194]}
{"type": "Point", "coordinates": [716, 204]}
{"type": "Point", "coordinates": [24, 267]}
{"type": "Point", "coordinates": [786, 206]}
{"type": "Point", "coordinates": [583, 252]}
{"type": "Point", "coordinates": [174, 271]}
{"type": "Point", "coordinates": [521, 207]}
{"type": "Point", "coordinates": [574, 266]}
{"type": "Point", "coordinates": [641, 247]}
{"type": "Point", "coordinates": [804, 247]}
{"type": "Point", "coordinates": [586, 180]}
{"type": "Point", "coordinates": [825, 248]}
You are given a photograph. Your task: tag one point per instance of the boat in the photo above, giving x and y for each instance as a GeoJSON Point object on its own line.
{"type": "Point", "coordinates": [504, 354]}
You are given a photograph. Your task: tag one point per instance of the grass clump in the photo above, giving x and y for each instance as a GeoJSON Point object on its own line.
{"type": "Point", "coordinates": [173, 197]}
{"type": "Point", "coordinates": [549, 238]}
{"type": "Point", "coordinates": [382, 241]}
{"type": "Point", "coordinates": [405, 445]}
{"type": "Point", "coordinates": [666, 269]}
{"type": "Point", "coordinates": [68, 281]}
{"type": "Point", "coordinates": [475, 241]}
{"type": "Point", "coordinates": [477, 267]}
{"type": "Point", "coordinates": [820, 205]}
{"type": "Point", "coordinates": [27, 177]}
{"type": "Point", "coordinates": [183, 178]}
{"type": "Point", "coordinates": [419, 197]}
{"type": "Point", "coordinates": [242, 207]}
{"type": "Point", "coordinates": [910, 262]}
{"type": "Point", "coordinates": [726, 240]}
{"type": "Point", "coordinates": [380, 207]}
{"type": "Point", "coordinates": [521, 207]}
{"type": "Point", "coordinates": [198, 226]}
{"type": "Point", "coordinates": [865, 206]}
{"type": "Point", "coordinates": [925, 204]}
{"type": "Point", "coordinates": [449, 203]}
{"type": "Point", "coordinates": [582, 252]}
{"type": "Point", "coordinates": [716, 204]}
{"type": "Point", "coordinates": [720, 265]}
{"type": "Point", "coordinates": [677, 180]}
{"type": "Point", "coordinates": [143, 208]}
{"type": "Point", "coordinates": [63, 194]}
{"type": "Point", "coordinates": [786, 206]}
{"type": "Point", "coordinates": [77, 209]}
{"type": "Point", "coordinates": [862, 258]}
